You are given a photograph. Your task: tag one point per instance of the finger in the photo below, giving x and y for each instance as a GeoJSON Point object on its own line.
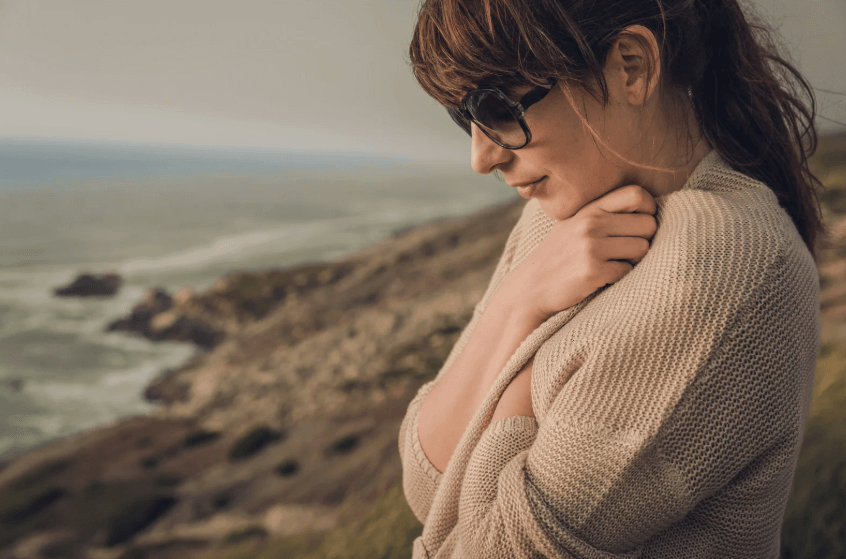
{"type": "Point", "coordinates": [627, 199]}
{"type": "Point", "coordinates": [622, 248]}
{"type": "Point", "coordinates": [615, 270]}
{"type": "Point", "coordinates": [630, 225]}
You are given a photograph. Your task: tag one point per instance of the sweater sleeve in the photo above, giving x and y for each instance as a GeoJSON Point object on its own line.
{"type": "Point", "coordinates": [420, 477]}
{"type": "Point", "coordinates": [595, 482]}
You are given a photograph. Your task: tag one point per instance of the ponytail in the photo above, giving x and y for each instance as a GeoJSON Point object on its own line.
{"type": "Point", "coordinates": [746, 102]}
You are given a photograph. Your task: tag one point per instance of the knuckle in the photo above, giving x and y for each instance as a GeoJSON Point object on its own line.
{"type": "Point", "coordinates": [641, 198]}
{"type": "Point", "coordinates": [592, 250]}
{"type": "Point", "coordinates": [592, 228]}
{"type": "Point", "coordinates": [588, 268]}
{"type": "Point", "coordinates": [650, 224]}
{"type": "Point", "coordinates": [635, 192]}
{"type": "Point", "coordinates": [587, 212]}
{"type": "Point", "coordinates": [585, 227]}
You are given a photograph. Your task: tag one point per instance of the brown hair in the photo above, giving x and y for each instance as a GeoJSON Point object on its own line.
{"type": "Point", "coordinates": [745, 95]}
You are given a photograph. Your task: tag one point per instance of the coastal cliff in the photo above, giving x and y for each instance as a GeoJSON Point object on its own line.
{"type": "Point", "coordinates": [279, 437]}
{"type": "Point", "coordinates": [284, 423]}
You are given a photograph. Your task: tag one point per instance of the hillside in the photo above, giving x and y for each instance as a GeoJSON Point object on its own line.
{"type": "Point", "coordinates": [279, 439]}
{"type": "Point", "coordinates": [287, 426]}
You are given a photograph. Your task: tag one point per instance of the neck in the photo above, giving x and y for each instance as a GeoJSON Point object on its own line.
{"type": "Point", "coordinates": [669, 150]}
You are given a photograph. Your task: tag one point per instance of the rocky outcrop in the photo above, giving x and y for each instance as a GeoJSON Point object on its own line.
{"type": "Point", "coordinates": [236, 299]}
{"type": "Point", "coordinates": [159, 317]}
{"type": "Point", "coordinates": [91, 285]}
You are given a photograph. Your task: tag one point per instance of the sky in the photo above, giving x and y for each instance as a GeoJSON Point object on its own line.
{"type": "Point", "coordinates": [275, 75]}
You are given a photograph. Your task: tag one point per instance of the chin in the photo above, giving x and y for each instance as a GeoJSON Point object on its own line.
{"type": "Point", "coordinates": [557, 211]}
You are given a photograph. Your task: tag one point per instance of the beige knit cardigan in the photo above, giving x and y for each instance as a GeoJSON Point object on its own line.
{"type": "Point", "coordinates": [670, 406]}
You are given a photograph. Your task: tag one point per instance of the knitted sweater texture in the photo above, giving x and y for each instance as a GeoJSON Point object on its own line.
{"type": "Point", "coordinates": [670, 406]}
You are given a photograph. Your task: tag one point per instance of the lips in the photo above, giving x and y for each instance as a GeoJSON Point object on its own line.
{"type": "Point", "coordinates": [526, 189]}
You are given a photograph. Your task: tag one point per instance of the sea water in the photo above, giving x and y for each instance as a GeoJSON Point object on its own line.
{"type": "Point", "coordinates": [167, 217]}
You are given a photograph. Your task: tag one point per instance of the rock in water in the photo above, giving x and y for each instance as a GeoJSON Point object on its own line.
{"type": "Point", "coordinates": [156, 317]}
{"type": "Point", "coordinates": [88, 285]}
{"type": "Point", "coordinates": [155, 301]}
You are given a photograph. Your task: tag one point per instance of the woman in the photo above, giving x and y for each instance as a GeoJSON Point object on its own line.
{"type": "Point", "coordinates": [636, 379]}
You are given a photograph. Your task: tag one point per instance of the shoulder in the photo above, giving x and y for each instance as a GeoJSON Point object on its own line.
{"type": "Point", "coordinates": [727, 278]}
{"type": "Point", "coordinates": [729, 236]}
{"type": "Point", "coordinates": [718, 255]}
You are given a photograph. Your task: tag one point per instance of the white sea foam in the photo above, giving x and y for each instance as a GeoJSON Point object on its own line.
{"type": "Point", "coordinates": [68, 406]}
{"type": "Point", "coordinates": [237, 247]}
{"type": "Point", "coordinates": [223, 248]}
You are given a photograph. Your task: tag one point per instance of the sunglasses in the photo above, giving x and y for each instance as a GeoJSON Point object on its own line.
{"type": "Point", "coordinates": [500, 118]}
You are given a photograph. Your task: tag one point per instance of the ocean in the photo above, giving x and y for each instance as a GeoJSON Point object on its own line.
{"type": "Point", "coordinates": [168, 217]}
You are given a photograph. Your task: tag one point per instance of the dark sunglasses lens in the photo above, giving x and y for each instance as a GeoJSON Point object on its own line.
{"type": "Point", "coordinates": [496, 118]}
{"type": "Point", "coordinates": [460, 120]}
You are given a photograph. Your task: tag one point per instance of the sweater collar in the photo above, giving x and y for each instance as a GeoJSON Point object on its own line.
{"type": "Point", "coordinates": [702, 176]}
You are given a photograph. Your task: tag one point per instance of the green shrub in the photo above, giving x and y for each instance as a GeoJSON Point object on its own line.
{"type": "Point", "coordinates": [815, 520]}
{"type": "Point", "coordinates": [172, 548]}
{"type": "Point", "coordinates": [834, 199]}
{"type": "Point", "coordinates": [222, 501]}
{"type": "Point", "coordinates": [253, 442]}
{"type": "Point", "coordinates": [149, 462]}
{"type": "Point", "coordinates": [136, 516]}
{"type": "Point", "coordinates": [288, 468]}
{"type": "Point", "coordinates": [17, 506]}
{"type": "Point", "coordinates": [386, 532]}
{"type": "Point", "coordinates": [201, 437]}
{"type": "Point", "coordinates": [248, 533]}
{"type": "Point", "coordinates": [833, 159]}
{"type": "Point", "coordinates": [41, 473]}
{"type": "Point", "coordinates": [345, 443]}
{"type": "Point", "coordinates": [167, 480]}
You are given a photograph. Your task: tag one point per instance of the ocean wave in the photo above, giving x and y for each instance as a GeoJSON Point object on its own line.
{"type": "Point", "coordinates": [218, 249]}
{"type": "Point", "coordinates": [32, 306]}
{"type": "Point", "coordinates": [298, 237]}
{"type": "Point", "coordinates": [62, 407]}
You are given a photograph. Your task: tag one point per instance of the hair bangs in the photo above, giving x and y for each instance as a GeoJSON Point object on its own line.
{"type": "Point", "coordinates": [461, 45]}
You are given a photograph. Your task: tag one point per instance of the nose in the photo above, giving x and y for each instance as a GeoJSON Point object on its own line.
{"type": "Point", "coordinates": [485, 155]}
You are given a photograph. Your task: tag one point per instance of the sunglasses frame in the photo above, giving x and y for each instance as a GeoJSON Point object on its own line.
{"type": "Point", "coordinates": [464, 118]}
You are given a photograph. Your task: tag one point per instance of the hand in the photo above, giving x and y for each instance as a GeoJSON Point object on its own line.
{"type": "Point", "coordinates": [597, 246]}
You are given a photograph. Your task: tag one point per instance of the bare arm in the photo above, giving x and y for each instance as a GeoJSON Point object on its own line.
{"type": "Point", "coordinates": [580, 254]}
{"type": "Point", "coordinates": [448, 408]}
{"type": "Point", "coordinates": [517, 398]}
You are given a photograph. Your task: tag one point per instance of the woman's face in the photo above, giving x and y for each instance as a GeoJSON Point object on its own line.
{"type": "Point", "coordinates": [565, 167]}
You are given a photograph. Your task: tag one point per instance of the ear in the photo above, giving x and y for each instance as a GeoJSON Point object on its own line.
{"type": "Point", "coordinates": [627, 63]}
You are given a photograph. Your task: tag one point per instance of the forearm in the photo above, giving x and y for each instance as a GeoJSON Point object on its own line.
{"type": "Point", "coordinates": [447, 410]}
